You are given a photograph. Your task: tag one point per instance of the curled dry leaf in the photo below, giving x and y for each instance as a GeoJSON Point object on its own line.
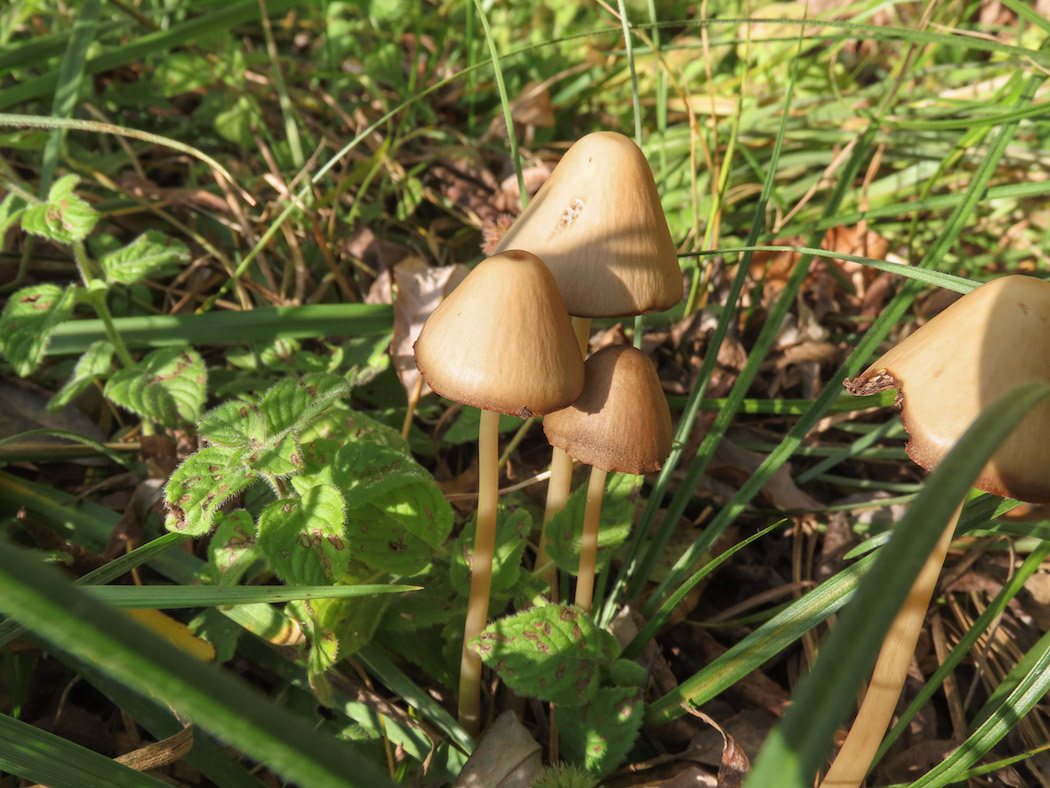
{"type": "Point", "coordinates": [507, 757]}
{"type": "Point", "coordinates": [420, 289]}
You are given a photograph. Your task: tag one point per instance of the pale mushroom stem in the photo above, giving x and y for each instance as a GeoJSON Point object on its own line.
{"type": "Point", "coordinates": [480, 571]}
{"type": "Point", "coordinates": [854, 758]}
{"type": "Point", "coordinates": [592, 515]}
{"type": "Point", "coordinates": [559, 486]}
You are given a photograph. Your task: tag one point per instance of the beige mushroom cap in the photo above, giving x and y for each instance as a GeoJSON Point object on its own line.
{"type": "Point", "coordinates": [503, 341]}
{"type": "Point", "coordinates": [621, 421]}
{"type": "Point", "coordinates": [987, 343]}
{"type": "Point", "coordinates": [598, 225]}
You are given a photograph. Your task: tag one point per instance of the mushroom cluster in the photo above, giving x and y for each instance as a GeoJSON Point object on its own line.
{"type": "Point", "coordinates": [592, 243]}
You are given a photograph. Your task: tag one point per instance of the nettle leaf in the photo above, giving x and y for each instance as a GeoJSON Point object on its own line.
{"type": "Point", "coordinates": [618, 509]}
{"type": "Point", "coordinates": [396, 514]}
{"type": "Point", "coordinates": [599, 734]}
{"type": "Point", "coordinates": [342, 423]}
{"type": "Point", "coordinates": [168, 386]}
{"type": "Point", "coordinates": [512, 532]}
{"type": "Point", "coordinates": [324, 644]}
{"type": "Point", "coordinates": [65, 217]}
{"type": "Point", "coordinates": [27, 321]}
{"type": "Point", "coordinates": [151, 254]}
{"type": "Point", "coordinates": [304, 539]}
{"type": "Point", "coordinates": [233, 550]}
{"type": "Point", "coordinates": [11, 209]}
{"type": "Point", "coordinates": [96, 362]}
{"type": "Point", "coordinates": [552, 652]}
{"type": "Point", "coordinates": [200, 485]}
{"type": "Point", "coordinates": [234, 424]}
{"type": "Point", "coordinates": [292, 404]}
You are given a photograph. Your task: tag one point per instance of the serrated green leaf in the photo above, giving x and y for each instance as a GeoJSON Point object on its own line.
{"type": "Point", "coordinates": [618, 510]}
{"type": "Point", "coordinates": [552, 652]}
{"type": "Point", "coordinates": [151, 254]}
{"type": "Point", "coordinates": [65, 217]}
{"type": "Point", "coordinates": [168, 386]}
{"type": "Point", "coordinates": [200, 485]}
{"type": "Point", "coordinates": [599, 734]}
{"type": "Point", "coordinates": [396, 514]}
{"type": "Point", "coordinates": [324, 644]}
{"type": "Point", "coordinates": [292, 404]}
{"type": "Point", "coordinates": [512, 532]}
{"type": "Point", "coordinates": [11, 208]}
{"type": "Point", "coordinates": [234, 424]}
{"type": "Point", "coordinates": [343, 424]}
{"type": "Point", "coordinates": [96, 362]}
{"type": "Point", "coordinates": [233, 550]}
{"type": "Point", "coordinates": [27, 321]}
{"type": "Point", "coordinates": [304, 539]}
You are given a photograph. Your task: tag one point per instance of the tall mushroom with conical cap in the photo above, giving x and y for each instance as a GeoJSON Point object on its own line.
{"type": "Point", "coordinates": [502, 341]}
{"type": "Point", "coordinates": [620, 422]}
{"type": "Point", "coordinates": [987, 343]}
{"type": "Point", "coordinates": [599, 226]}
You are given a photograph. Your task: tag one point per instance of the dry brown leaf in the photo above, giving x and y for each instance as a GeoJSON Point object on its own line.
{"type": "Point", "coordinates": [733, 763]}
{"type": "Point", "coordinates": [507, 757]}
{"type": "Point", "coordinates": [420, 289]}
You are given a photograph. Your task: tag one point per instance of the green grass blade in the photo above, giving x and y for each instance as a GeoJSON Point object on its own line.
{"type": "Point", "coordinates": [256, 325]}
{"type": "Point", "coordinates": [172, 597]}
{"type": "Point", "coordinates": [27, 751]}
{"type": "Point", "coordinates": [822, 700]}
{"type": "Point", "coordinates": [67, 617]}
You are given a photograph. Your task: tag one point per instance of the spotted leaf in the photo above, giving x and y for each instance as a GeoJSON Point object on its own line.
{"type": "Point", "coordinates": [168, 386]}
{"type": "Point", "coordinates": [599, 734]}
{"type": "Point", "coordinates": [27, 321]}
{"type": "Point", "coordinates": [304, 539]}
{"type": "Point", "coordinates": [199, 487]}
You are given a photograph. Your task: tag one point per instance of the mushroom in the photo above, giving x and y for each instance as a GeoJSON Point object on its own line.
{"type": "Point", "coordinates": [502, 342]}
{"type": "Point", "coordinates": [987, 343]}
{"type": "Point", "coordinates": [620, 422]}
{"type": "Point", "coordinates": [599, 226]}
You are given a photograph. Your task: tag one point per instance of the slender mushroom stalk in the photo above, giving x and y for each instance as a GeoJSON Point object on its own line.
{"type": "Point", "coordinates": [620, 422]}
{"type": "Point", "coordinates": [987, 343]}
{"type": "Point", "coordinates": [599, 226]}
{"type": "Point", "coordinates": [502, 342]}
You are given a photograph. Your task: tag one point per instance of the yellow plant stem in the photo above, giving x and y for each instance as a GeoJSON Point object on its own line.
{"type": "Point", "coordinates": [480, 571]}
{"type": "Point", "coordinates": [854, 758]}
{"type": "Point", "coordinates": [592, 515]}
{"type": "Point", "coordinates": [559, 485]}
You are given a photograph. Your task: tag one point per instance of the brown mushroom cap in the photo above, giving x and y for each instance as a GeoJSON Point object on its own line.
{"type": "Point", "coordinates": [621, 421]}
{"type": "Point", "coordinates": [990, 341]}
{"type": "Point", "coordinates": [503, 341]}
{"type": "Point", "coordinates": [598, 225]}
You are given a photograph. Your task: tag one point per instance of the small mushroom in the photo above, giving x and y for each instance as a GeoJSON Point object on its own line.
{"type": "Point", "coordinates": [503, 342]}
{"type": "Point", "coordinates": [599, 226]}
{"type": "Point", "coordinates": [987, 343]}
{"type": "Point", "coordinates": [621, 422]}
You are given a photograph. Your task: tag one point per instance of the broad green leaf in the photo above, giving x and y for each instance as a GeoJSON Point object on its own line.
{"type": "Point", "coordinates": [199, 487]}
{"type": "Point", "coordinates": [151, 254]}
{"type": "Point", "coordinates": [512, 532]}
{"type": "Point", "coordinates": [65, 217]}
{"type": "Point", "coordinates": [233, 550]}
{"type": "Point", "coordinates": [618, 510]}
{"type": "Point", "coordinates": [552, 652]}
{"type": "Point", "coordinates": [341, 423]}
{"type": "Point", "coordinates": [96, 362]}
{"type": "Point", "coordinates": [168, 386]}
{"type": "Point", "coordinates": [27, 321]}
{"type": "Point", "coordinates": [235, 424]}
{"type": "Point", "coordinates": [292, 404]}
{"type": "Point", "coordinates": [181, 72]}
{"type": "Point", "coordinates": [304, 539]}
{"type": "Point", "coordinates": [11, 208]}
{"type": "Point", "coordinates": [439, 604]}
{"type": "Point", "coordinates": [599, 734]}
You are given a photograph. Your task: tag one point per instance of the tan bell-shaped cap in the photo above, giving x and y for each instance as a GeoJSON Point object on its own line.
{"type": "Point", "coordinates": [990, 341]}
{"type": "Point", "coordinates": [503, 341]}
{"type": "Point", "coordinates": [598, 225]}
{"type": "Point", "coordinates": [621, 421]}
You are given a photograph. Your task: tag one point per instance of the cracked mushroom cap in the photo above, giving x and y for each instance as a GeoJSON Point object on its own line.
{"type": "Point", "coordinates": [621, 421]}
{"type": "Point", "coordinates": [598, 224]}
{"type": "Point", "coordinates": [503, 341]}
{"type": "Point", "coordinates": [990, 341]}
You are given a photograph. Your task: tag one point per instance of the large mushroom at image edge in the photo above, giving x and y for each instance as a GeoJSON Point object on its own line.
{"type": "Point", "coordinates": [502, 341]}
{"type": "Point", "coordinates": [598, 224]}
{"type": "Point", "coordinates": [989, 342]}
{"type": "Point", "coordinates": [621, 422]}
